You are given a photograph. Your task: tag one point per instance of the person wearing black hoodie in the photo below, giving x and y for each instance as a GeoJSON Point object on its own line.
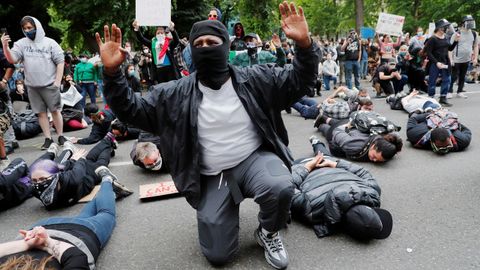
{"type": "Point", "coordinates": [221, 131]}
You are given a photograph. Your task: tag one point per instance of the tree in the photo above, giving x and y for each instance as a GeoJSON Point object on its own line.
{"type": "Point", "coordinates": [358, 14]}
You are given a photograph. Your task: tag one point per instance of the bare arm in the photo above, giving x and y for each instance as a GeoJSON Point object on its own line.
{"type": "Point", "coordinates": [13, 247]}
{"type": "Point", "coordinates": [59, 74]}
{"type": "Point", "coordinates": [6, 49]}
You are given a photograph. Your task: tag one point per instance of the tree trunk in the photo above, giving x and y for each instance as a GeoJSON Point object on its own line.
{"type": "Point", "coordinates": [358, 15]}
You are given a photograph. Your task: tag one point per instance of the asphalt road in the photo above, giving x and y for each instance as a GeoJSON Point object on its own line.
{"type": "Point", "coordinates": [434, 201]}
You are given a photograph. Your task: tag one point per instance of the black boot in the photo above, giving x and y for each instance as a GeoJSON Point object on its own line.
{"type": "Point", "coordinates": [443, 101]}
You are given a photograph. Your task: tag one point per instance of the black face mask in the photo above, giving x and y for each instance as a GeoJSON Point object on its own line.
{"type": "Point", "coordinates": [46, 191]}
{"type": "Point", "coordinates": [211, 62]}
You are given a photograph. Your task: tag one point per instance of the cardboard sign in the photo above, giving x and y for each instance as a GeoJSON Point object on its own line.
{"type": "Point", "coordinates": [390, 24]}
{"type": "Point", "coordinates": [367, 32]}
{"type": "Point", "coordinates": [153, 12]}
{"type": "Point", "coordinates": [158, 190]}
{"type": "Point", "coordinates": [90, 196]}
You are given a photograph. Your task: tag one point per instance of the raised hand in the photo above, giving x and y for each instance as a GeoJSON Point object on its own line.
{"type": "Point", "coordinates": [276, 40]}
{"type": "Point", "coordinates": [5, 40]}
{"type": "Point", "coordinates": [111, 51]}
{"type": "Point", "coordinates": [294, 24]}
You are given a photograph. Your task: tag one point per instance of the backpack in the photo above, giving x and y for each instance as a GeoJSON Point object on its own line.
{"type": "Point", "coordinates": [395, 100]}
{"type": "Point", "coordinates": [25, 125]}
{"type": "Point", "coordinates": [372, 123]}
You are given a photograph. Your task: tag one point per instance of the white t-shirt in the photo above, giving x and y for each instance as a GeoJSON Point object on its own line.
{"type": "Point", "coordinates": [226, 134]}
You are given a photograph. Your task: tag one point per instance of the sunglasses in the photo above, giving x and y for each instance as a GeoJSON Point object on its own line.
{"type": "Point", "coordinates": [443, 149]}
{"type": "Point", "coordinates": [42, 180]}
{"type": "Point", "coordinates": [212, 16]}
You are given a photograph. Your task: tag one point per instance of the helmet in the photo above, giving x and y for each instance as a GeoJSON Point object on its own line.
{"type": "Point", "coordinates": [467, 18]}
{"type": "Point", "coordinates": [441, 23]}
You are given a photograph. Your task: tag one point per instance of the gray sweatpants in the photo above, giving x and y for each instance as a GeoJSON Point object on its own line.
{"type": "Point", "coordinates": [263, 177]}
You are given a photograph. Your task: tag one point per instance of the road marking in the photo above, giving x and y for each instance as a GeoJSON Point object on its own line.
{"type": "Point", "coordinates": [120, 163]}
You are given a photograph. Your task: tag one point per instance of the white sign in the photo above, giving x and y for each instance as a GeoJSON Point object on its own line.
{"type": "Point", "coordinates": [153, 12]}
{"type": "Point", "coordinates": [390, 24]}
{"type": "Point", "coordinates": [431, 29]}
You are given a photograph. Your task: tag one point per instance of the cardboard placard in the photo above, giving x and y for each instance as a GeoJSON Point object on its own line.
{"type": "Point", "coordinates": [158, 190]}
{"type": "Point", "coordinates": [90, 196]}
{"type": "Point", "coordinates": [153, 12]}
{"type": "Point", "coordinates": [431, 29]}
{"type": "Point", "coordinates": [390, 24]}
{"type": "Point", "coordinates": [367, 32]}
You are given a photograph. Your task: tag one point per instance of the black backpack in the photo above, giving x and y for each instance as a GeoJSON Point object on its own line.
{"type": "Point", "coordinates": [25, 125]}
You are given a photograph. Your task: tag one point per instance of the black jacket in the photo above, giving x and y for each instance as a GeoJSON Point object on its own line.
{"type": "Point", "coordinates": [99, 131]}
{"type": "Point", "coordinates": [170, 111]}
{"type": "Point", "coordinates": [417, 128]}
{"type": "Point", "coordinates": [77, 180]}
{"type": "Point", "coordinates": [324, 195]}
{"type": "Point", "coordinates": [13, 191]}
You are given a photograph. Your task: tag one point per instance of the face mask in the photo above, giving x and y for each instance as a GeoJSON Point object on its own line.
{"type": "Point", "coordinates": [46, 191]}
{"type": "Point", "coordinates": [470, 25]}
{"type": "Point", "coordinates": [131, 73]}
{"type": "Point", "coordinates": [419, 33]}
{"type": "Point", "coordinates": [402, 53]}
{"type": "Point", "coordinates": [155, 166]}
{"type": "Point", "coordinates": [83, 60]}
{"type": "Point", "coordinates": [31, 34]}
{"type": "Point", "coordinates": [160, 37]}
{"type": "Point", "coordinates": [145, 51]}
{"type": "Point", "coordinates": [211, 62]}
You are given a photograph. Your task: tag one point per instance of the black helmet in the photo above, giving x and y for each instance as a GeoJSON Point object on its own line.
{"type": "Point", "coordinates": [467, 18]}
{"type": "Point", "coordinates": [441, 23]}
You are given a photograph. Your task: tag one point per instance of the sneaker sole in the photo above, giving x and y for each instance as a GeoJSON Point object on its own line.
{"type": "Point", "coordinates": [267, 258]}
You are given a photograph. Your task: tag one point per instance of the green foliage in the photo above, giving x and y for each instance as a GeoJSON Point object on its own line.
{"type": "Point", "coordinates": [260, 16]}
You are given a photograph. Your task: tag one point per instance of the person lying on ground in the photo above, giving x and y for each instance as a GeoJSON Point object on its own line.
{"type": "Point", "coordinates": [102, 120]}
{"type": "Point", "coordinates": [335, 195]}
{"type": "Point", "coordinates": [124, 132]}
{"type": "Point", "coordinates": [419, 104]}
{"type": "Point", "coordinates": [60, 181]}
{"type": "Point", "coordinates": [15, 185]}
{"type": "Point", "coordinates": [438, 130]}
{"type": "Point", "coordinates": [146, 153]}
{"type": "Point", "coordinates": [67, 242]}
{"type": "Point", "coordinates": [357, 145]}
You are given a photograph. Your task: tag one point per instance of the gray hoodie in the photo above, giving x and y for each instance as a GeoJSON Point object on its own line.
{"type": "Point", "coordinates": [40, 57]}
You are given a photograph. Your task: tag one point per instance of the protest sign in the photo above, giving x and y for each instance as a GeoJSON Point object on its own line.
{"type": "Point", "coordinates": [158, 190]}
{"type": "Point", "coordinates": [431, 29]}
{"type": "Point", "coordinates": [90, 196]}
{"type": "Point", "coordinates": [390, 24]}
{"type": "Point", "coordinates": [367, 32]}
{"type": "Point", "coordinates": [153, 12]}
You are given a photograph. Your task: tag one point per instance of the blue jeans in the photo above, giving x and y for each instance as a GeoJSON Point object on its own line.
{"type": "Point", "coordinates": [352, 66]}
{"type": "Point", "coordinates": [98, 215]}
{"type": "Point", "coordinates": [88, 88]}
{"type": "Point", "coordinates": [327, 79]}
{"type": "Point", "coordinates": [363, 68]}
{"type": "Point", "coordinates": [307, 108]}
{"type": "Point", "coordinates": [432, 79]}
{"type": "Point", "coordinates": [100, 90]}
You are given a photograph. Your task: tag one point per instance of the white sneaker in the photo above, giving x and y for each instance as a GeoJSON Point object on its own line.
{"type": "Point", "coordinates": [53, 148]}
{"type": "Point", "coordinates": [461, 95]}
{"type": "Point", "coordinates": [449, 95]}
{"type": "Point", "coordinates": [275, 252]}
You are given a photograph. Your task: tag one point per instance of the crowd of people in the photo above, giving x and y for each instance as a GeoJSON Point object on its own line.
{"type": "Point", "coordinates": [207, 110]}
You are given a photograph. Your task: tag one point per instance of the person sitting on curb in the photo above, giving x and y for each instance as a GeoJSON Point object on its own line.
{"type": "Point", "coordinates": [439, 131]}
{"type": "Point", "coordinates": [338, 196]}
{"type": "Point", "coordinates": [71, 176]}
{"type": "Point", "coordinates": [66, 242]}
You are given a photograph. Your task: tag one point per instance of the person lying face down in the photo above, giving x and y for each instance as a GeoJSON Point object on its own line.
{"type": "Point", "coordinates": [334, 195]}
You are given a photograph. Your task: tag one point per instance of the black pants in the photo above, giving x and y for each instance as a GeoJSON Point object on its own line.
{"type": "Point", "coordinates": [459, 71]}
{"type": "Point", "coordinates": [327, 131]}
